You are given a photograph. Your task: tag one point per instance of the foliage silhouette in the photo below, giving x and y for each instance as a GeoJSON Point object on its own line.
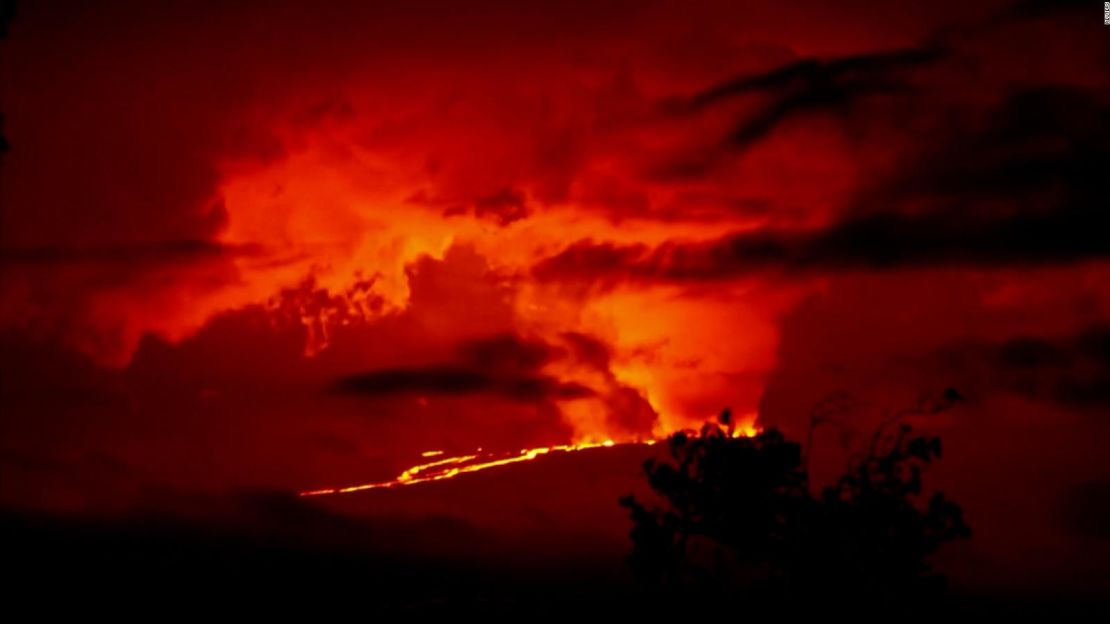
{"type": "Point", "coordinates": [738, 519]}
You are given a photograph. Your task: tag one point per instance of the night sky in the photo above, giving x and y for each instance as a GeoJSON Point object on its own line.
{"type": "Point", "coordinates": [253, 248]}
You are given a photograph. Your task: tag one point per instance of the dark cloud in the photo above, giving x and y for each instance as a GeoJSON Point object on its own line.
{"type": "Point", "coordinates": [445, 380]}
{"type": "Point", "coordinates": [871, 243]}
{"type": "Point", "coordinates": [1069, 372]}
{"type": "Point", "coordinates": [510, 366]}
{"type": "Point", "coordinates": [800, 89]}
{"type": "Point", "coordinates": [1038, 150]}
{"type": "Point", "coordinates": [589, 349]}
{"type": "Point", "coordinates": [507, 352]}
{"type": "Point", "coordinates": [146, 254]}
{"type": "Point", "coordinates": [1023, 189]}
{"type": "Point", "coordinates": [1072, 371]}
{"type": "Point", "coordinates": [809, 85]}
{"type": "Point", "coordinates": [503, 206]}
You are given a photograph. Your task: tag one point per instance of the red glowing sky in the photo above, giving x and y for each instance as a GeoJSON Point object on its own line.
{"type": "Point", "coordinates": [284, 245]}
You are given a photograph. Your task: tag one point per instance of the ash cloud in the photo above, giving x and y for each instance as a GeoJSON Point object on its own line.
{"type": "Point", "coordinates": [503, 365]}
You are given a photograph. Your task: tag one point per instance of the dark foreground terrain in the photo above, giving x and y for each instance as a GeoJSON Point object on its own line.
{"type": "Point", "coordinates": [538, 539]}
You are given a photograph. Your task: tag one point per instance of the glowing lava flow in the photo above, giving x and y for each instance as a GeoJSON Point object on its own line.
{"type": "Point", "coordinates": [453, 466]}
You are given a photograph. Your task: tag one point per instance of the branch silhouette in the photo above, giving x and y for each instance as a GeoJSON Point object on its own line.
{"type": "Point", "coordinates": [737, 517]}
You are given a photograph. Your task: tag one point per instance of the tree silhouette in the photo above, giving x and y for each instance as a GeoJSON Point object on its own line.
{"type": "Point", "coordinates": [738, 519]}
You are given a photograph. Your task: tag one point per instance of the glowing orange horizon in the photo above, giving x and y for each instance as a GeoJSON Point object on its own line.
{"type": "Point", "coordinates": [451, 467]}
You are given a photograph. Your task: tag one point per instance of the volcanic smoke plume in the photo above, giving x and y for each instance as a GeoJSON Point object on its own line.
{"type": "Point", "coordinates": [292, 246]}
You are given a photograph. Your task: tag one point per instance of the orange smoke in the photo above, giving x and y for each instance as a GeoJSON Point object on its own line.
{"type": "Point", "coordinates": [351, 216]}
{"type": "Point", "coordinates": [359, 183]}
